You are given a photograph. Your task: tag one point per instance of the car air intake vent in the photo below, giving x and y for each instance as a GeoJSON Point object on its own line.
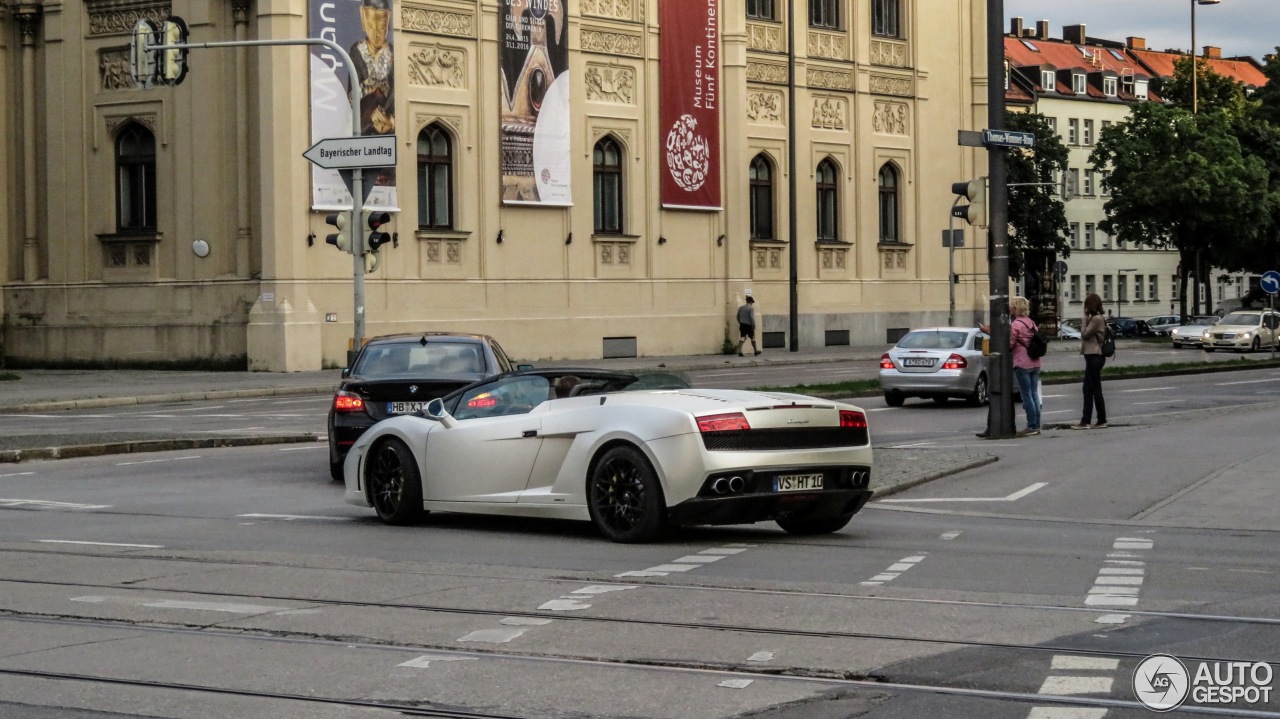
{"type": "Point", "coordinates": [784, 438]}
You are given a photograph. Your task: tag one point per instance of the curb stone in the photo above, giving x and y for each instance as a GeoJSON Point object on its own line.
{"type": "Point", "coordinates": [14, 456]}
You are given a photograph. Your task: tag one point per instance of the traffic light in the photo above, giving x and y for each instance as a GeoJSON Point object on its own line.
{"type": "Point", "coordinates": [377, 238]}
{"type": "Point", "coordinates": [975, 213]}
{"type": "Point", "coordinates": [342, 238]}
{"type": "Point", "coordinates": [142, 59]}
{"type": "Point", "coordinates": [172, 68]}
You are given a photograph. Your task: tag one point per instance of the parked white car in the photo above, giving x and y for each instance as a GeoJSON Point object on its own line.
{"type": "Point", "coordinates": [632, 461]}
{"type": "Point", "coordinates": [1243, 331]}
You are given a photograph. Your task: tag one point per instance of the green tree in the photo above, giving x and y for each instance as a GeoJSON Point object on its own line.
{"type": "Point", "coordinates": [1259, 250]}
{"type": "Point", "coordinates": [1182, 181]}
{"type": "Point", "coordinates": [1268, 96]}
{"type": "Point", "coordinates": [1216, 92]}
{"type": "Point", "coordinates": [1037, 218]}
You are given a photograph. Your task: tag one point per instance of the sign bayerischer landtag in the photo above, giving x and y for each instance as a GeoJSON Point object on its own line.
{"type": "Point", "coordinates": [689, 103]}
{"type": "Point", "coordinates": [340, 153]}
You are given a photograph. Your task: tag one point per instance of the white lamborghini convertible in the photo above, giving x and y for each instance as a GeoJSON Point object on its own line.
{"type": "Point", "coordinates": [630, 454]}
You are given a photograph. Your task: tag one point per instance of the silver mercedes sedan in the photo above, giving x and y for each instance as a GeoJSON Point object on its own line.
{"type": "Point", "coordinates": [939, 363]}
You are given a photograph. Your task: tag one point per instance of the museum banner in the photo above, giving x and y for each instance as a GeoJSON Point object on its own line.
{"type": "Point", "coordinates": [364, 29]}
{"type": "Point", "coordinates": [689, 103]}
{"type": "Point", "coordinates": [533, 59]}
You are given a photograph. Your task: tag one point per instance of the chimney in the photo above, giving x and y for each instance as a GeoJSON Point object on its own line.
{"type": "Point", "coordinates": [1213, 53]}
{"type": "Point", "coordinates": [1136, 43]}
{"type": "Point", "coordinates": [1042, 29]}
{"type": "Point", "coordinates": [1015, 27]}
{"type": "Point", "coordinates": [1073, 34]}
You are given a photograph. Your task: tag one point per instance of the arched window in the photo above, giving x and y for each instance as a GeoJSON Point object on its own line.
{"type": "Point", "coordinates": [761, 179]}
{"type": "Point", "coordinates": [884, 18]}
{"type": "Point", "coordinates": [828, 202]}
{"type": "Point", "coordinates": [606, 168]}
{"type": "Point", "coordinates": [135, 179]}
{"type": "Point", "coordinates": [435, 178]}
{"type": "Point", "coordinates": [889, 204]}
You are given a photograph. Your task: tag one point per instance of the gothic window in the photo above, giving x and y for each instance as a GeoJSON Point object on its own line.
{"type": "Point", "coordinates": [135, 179]}
{"type": "Point", "coordinates": [889, 204]}
{"type": "Point", "coordinates": [760, 176]}
{"type": "Point", "coordinates": [828, 202]}
{"type": "Point", "coordinates": [606, 163]}
{"type": "Point", "coordinates": [435, 178]}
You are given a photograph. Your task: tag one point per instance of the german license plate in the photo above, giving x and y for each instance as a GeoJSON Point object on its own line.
{"type": "Point", "coordinates": [405, 407]}
{"type": "Point", "coordinates": [797, 482]}
{"type": "Point", "coordinates": [918, 362]}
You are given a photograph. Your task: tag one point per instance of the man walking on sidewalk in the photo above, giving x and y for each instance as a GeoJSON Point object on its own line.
{"type": "Point", "coordinates": [747, 325]}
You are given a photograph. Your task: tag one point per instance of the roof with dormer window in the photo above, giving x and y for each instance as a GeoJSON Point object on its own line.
{"type": "Point", "coordinates": [1062, 56]}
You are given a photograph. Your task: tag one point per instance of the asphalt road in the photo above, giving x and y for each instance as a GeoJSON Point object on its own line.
{"type": "Point", "coordinates": [234, 582]}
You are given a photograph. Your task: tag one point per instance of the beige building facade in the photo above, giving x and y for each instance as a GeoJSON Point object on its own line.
{"type": "Point", "coordinates": [175, 224]}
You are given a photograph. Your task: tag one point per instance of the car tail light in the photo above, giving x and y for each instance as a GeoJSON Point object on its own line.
{"type": "Point", "coordinates": [344, 402]}
{"type": "Point", "coordinates": [723, 422]}
{"type": "Point", "coordinates": [483, 401]}
{"type": "Point", "coordinates": [852, 420]}
{"type": "Point", "coordinates": [885, 362]}
{"type": "Point", "coordinates": [955, 361]}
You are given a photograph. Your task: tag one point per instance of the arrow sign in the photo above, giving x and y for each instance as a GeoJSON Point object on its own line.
{"type": "Point", "coordinates": [1270, 282]}
{"type": "Point", "coordinates": [1008, 138]}
{"type": "Point", "coordinates": [341, 153]}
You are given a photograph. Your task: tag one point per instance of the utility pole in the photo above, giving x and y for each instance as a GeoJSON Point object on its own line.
{"type": "Point", "coordinates": [1000, 417]}
{"type": "Point", "coordinates": [793, 252]}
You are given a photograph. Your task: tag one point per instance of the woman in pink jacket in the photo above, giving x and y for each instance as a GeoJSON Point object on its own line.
{"type": "Point", "coordinates": [1026, 371]}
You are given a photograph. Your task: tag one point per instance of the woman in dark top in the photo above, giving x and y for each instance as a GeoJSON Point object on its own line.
{"type": "Point", "coordinates": [1092, 332]}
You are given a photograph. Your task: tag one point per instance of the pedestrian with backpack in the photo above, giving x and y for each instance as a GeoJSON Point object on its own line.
{"type": "Point", "coordinates": [1093, 338]}
{"type": "Point", "coordinates": [1027, 347]}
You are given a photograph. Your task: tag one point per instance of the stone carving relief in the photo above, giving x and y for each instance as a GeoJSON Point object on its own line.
{"type": "Point", "coordinates": [117, 17]}
{"type": "Point", "coordinates": [894, 259]}
{"type": "Point", "coordinates": [452, 252]}
{"type": "Point", "coordinates": [834, 258]}
{"type": "Point", "coordinates": [621, 133]}
{"type": "Point", "coordinates": [147, 121]}
{"type": "Point", "coordinates": [615, 9]}
{"type": "Point", "coordinates": [893, 54]}
{"type": "Point", "coordinates": [768, 258]}
{"type": "Point", "coordinates": [610, 84]}
{"type": "Point", "coordinates": [890, 118]}
{"type": "Point", "coordinates": [830, 113]}
{"type": "Point", "coordinates": [764, 106]}
{"type": "Point", "coordinates": [766, 72]}
{"type": "Point", "coordinates": [615, 253]}
{"type": "Point", "coordinates": [439, 22]}
{"type": "Point", "coordinates": [114, 70]}
{"type": "Point", "coordinates": [887, 85]}
{"type": "Point", "coordinates": [434, 65]}
{"type": "Point", "coordinates": [830, 79]}
{"type": "Point", "coordinates": [828, 45]}
{"type": "Point", "coordinates": [423, 119]}
{"type": "Point", "coordinates": [766, 38]}
{"type": "Point", "coordinates": [610, 43]}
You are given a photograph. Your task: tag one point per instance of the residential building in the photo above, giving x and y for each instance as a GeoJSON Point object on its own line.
{"type": "Point", "coordinates": [161, 224]}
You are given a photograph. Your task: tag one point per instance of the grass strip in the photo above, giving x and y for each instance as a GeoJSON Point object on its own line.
{"type": "Point", "coordinates": [9, 376]}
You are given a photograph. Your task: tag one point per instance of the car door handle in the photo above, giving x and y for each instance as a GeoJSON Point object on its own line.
{"type": "Point", "coordinates": [529, 433]}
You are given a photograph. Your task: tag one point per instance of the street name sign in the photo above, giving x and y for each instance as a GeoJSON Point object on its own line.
{"type": "Point", "coordinates": [343, 153]}
{"type": "Point", "coordinates": [1270, 282]}
{"type": "Point", "coordinates": [1008, 138]}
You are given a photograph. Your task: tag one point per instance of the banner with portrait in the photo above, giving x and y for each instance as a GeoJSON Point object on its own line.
{"type": "Point", "coordinates": [689, 103]}
{"type": "Point", "coordinates": [364, 29]}
{"type": "Point", "coordinates": [533, 59]}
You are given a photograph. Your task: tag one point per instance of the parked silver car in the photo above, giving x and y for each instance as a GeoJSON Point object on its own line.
{"type": "Point", "coordinates": [939, 363]}
{"type": "Point", "coordinates": [1162, 325]}
{"type": "Point", "coordinates": [1191, 333]}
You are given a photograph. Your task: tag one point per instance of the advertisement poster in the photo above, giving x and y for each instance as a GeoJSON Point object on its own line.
{"type": "Point", "coordinates": [533, 57]}
{"type": "Point", "coordinates": [363, 29]}
{"type": "Point", "coordinates": [689, 103]}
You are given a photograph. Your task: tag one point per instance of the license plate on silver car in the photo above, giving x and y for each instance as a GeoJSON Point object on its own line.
{"type": "Point", "coordinates": [405, 407]}
{"type": "Point", "coordinates": [797, 482]}
{"type": "Point", "coordinates": [918, 362]}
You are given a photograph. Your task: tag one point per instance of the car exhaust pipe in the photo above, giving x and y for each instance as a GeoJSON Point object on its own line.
{"type": "Point", "coordinates": [737, 484]}
{"type": "Point", "coordinates": [720, 486]}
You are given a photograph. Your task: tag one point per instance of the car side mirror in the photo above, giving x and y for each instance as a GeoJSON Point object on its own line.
{"type": "Point", "coordinates": [435, 410]}
{"type": "Point", "coordinates": [523, 367]}
{"type": "Point", "coordinates": [346, 372]}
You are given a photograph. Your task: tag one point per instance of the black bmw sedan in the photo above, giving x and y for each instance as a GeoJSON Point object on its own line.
{"type": "Point", "coordinates": [399, 374]}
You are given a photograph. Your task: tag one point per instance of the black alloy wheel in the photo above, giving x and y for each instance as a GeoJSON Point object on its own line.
{"type": "Point", "coordinates": [894, 399]}
{"type": "Point", "coordinates": [802, 526]}
{"type": "Point", "coordinates": [395, 487]}
{"type": "Point", "coordinates": [979, 396]}
{"type": "Point", "coordinates": [624, 497]}
{"type": "Point", "coordinates": [1257, 345]}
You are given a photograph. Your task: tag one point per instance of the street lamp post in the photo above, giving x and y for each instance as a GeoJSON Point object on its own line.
{"type": "Point", "coordinates": [1195, 87]}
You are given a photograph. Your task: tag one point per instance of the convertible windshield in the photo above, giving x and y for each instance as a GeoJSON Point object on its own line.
{"type": "Point", "coordinates": [933, 340]}
{"type": "Point", "coordinates": [1241, 318]}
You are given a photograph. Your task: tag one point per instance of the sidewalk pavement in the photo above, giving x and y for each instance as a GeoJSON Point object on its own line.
{"type": "Point", "coordinates": [57, 390]}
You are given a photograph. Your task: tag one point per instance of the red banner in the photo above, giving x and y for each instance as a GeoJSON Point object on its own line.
{"type": "Point", "coordinates": [689, 110]}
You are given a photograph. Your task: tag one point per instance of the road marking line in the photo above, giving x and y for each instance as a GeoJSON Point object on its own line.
{"type": "Point", "coordinates": [100, 544]}
{"type": "Point", "coordinates": [425, 660]}
{"type": "Point", "coordinates": [1066, 713]}
{"type": "Point", "coordinates": [1066, 686]}
{"type": "Point", "coordinates": [901, 566]}
{"type": "Point", "coordinates": [881, 409]}
{"type": "Point", "coordinates": [641, 573]}
{"type": "Point", "coordinates": [604, 588]}
{"type": "Point", "coordinates": [1115, 591]}
{"type": "Point", "coordinates": [49, 504]}
{"type": "Point", "coordinates": [157, 461]}
{"type": "Point", "coordinates": [760, 657]}
{"type": "Point", "coordinates": [570, 604]}
{"type": "Point", "coordinates": [1110, 601]}
{"type": "Point", "coordinates": [723, 551]}
{"type": "Point", "coordinates": [214, 607]}
{"type": "Point", "coordinates": [699, 558]}
{"type": "Point", "coordinates": [736, 683]}
{"type": "Point", "coordinates": [1011, 498]}
{"type": "Point", "coordinates": [1247, 381]}
{"type": "Point", "coordinates": [674, 567]}
{"type": "Point", "coordinates": [1112, 619]}
{"type": "Point", "coordinates": [1115, 581]}
{"type": "Point", "coordinates": [948, 536]}
{"type": "Point", "coordinates": [494, 636]}
{"type": "Point", "coordinates": [295, 449]}
{"type": "Point", "coordinates": [1146, 389]}
{"type": "Point", "coordinates": [295, 517]}
{"type": "Point", "coordinates": [895, 570]}
{"type": "Point", "coordinates": [1064, 661]}
{"type": "Point", "coordinates": [1163, 401]}
{"type": "Point", "coordinates": [884, 577]}
{"type": "Point", "coordinates": [909, 446]}
{"type": "Point", "coordinates": [1120, 570]}
{"type": "Point", "coordinates": [524, 621]}
{"type": "Point", "coordinates": [17, 474]}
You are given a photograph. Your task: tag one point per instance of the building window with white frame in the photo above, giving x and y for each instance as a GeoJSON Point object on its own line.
{"type": "Point", "coordinates": [1090, 286]}
{"type": "Point", "coordinates": [1078, 83]}
{"type": "Point", "coordinates": [1073, 131]}
{"type": "Point", "coordinates": [884, 18]}
{"type": "Point", "coordinates": [828, 201]}
{"type": "Point", "coordinates": [1088, 132]}
{"type": "Point", "coordinates": [1073, 181]}
{"type": "Point", "coordinates": [1140, 89]}
{"type": "Point", "coordinates": [1106, 288]}
{"type": "Point", "coordinates": [1048, 81]}
{"type": "Point", "coordinates": [1122, 287]}
{"type": "Point", "coordinates": [1075, 235]}
{"type": "Point", "coordinates": [1088, 183]}
{"type": "Point", "coordinates": [1053, 124]}
{"type": "Point", "coordinates": [1153, 293]}
{"type": "Point", "coordinates": [1104, 240]}
{"type": "Point", "coordinates": [1109, 86]}
{"type": "Point", "coordinates": [1088, 235]}
{"type": "Point", "coordinates": [606, 170]}
{"type": "Point", "coordinates": [1137, 287]}
{"type": "Point", "coordinates": [760, 10]}
{"type": "Point", "coordinates": [1075, 289]}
